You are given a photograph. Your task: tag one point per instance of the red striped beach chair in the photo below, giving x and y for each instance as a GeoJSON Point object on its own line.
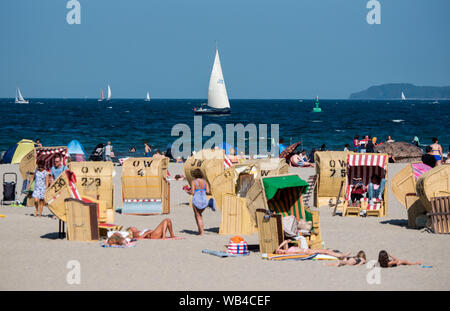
{"type": "Point", "coordinates": [364, 165]}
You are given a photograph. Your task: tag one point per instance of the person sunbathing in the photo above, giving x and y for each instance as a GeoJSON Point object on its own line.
{"type": "Point", "coordinates": [118, 238]}
{"type": "Point", "coordinates": [388, 261]}
{"type": "Point", "coordinates": [357, 260]}
{"type": "Point", "coordinates": [158, 234]}
{"type": "Point", "coordinates": [284, 250]}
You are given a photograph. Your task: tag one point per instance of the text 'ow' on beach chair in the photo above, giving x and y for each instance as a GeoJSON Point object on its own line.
{"type": "Point", "coordinates": [280, 196]}
{"type": "Point", "coordinates": [364, 166]}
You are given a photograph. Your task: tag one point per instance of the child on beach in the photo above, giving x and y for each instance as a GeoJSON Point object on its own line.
{"type": "Point", "coordinates": [41, 182]}
{"type": "Point", "coordinates": [357, 191]}
{"type": "Point", "coordinates": [388, 261]}
{"type": "Point", "coordinates": [199, 189]}
{"type": "Point", "coordinates": [357, 260]}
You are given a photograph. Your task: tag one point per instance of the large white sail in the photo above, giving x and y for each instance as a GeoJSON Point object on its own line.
{"type": "Point", "coordinates": [147, 98]}
{"type": "Point", "coordinates": [403, 96]}
{"type": "Point", "coordinates": [20, 97]}
{"type": "Point", "coordinates": [109, 93]}
{"type": "Point", "coordinates": [217, 93]}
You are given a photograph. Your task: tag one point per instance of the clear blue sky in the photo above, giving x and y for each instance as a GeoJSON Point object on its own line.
{"type": "Point", "coordinates": [268, 48]}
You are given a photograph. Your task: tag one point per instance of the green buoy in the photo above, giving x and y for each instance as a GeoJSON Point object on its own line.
{"type": "Point", "coordinates": [317, 108]}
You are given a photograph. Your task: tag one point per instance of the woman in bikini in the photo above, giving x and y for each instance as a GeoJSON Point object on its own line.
{"type": "Point", "coordinates": [199, 189]}
{"type": "Point", "coordinates": [436, 151]}
{"type": "Point", "coordinates": [284, 250]}
{"type": "Point", "coordinates": [158, 234]}
{"type": "Point", "coordinates": [357, 260]}
{"type": "Point", "coordinates": [388, 261]}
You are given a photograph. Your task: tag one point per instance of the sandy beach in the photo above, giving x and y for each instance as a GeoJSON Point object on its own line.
{"type": "Point", "coordinates": [33, 258]}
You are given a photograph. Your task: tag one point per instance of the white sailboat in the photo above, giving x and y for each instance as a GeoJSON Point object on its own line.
{"type": "Point", "coordinates": [102, 96]}
{"type": "Point", "coordinates": [403, 96]}
{"type": "Point", "coordinates": [109, 93]}
{"type": "Point", "coordinates": [19, 98]}
{"type": "Point", "coordinates": [147, 98]}
{"type": "Point", "coordinates": [218, 102]}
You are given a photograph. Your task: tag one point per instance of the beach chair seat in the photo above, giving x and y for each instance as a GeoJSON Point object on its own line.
{"type": "Point", "coordinates": [281, 196]}
{"type": "Point", "coordinates": [364, 166]}
{"type": "Point", "coordinates": [440, 214]}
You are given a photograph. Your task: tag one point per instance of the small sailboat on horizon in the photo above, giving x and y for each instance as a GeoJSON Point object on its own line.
{"type": "Point", "coordinates": [218, 102]}
{"type": "Point", "coordinates": [109, 93]}
{"type": "Point", "coordinates": [102, 96]}
{"type": "Point", "coordinates": [19, 98]}
{"type": "Point", "coordinates": [403, 96]}
{"type": "Point", "coordinates": [147, 98]}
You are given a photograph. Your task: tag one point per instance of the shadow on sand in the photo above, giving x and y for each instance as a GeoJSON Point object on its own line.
{"type": "Point", "coordinates": [53, 236]}
{"type": "Point", "coordinates": [396, 222]}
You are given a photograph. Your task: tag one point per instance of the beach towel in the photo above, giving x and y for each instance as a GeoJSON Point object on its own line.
{"type": "Point", "coordinates": [222, 254]}
{"type": "Point", "coordinates": [419, 169]}
{"type": "Point", "coordinates": [324, 257]}
{"type": "Point", "coordinates": [295, 257]}
{"type": "Point", "coordinates": [127, 245]}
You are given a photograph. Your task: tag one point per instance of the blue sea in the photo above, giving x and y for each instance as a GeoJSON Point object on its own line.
{"type": "Point", "coordinates": [129, 122]}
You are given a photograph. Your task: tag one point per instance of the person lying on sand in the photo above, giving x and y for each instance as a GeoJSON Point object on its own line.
{"type": "Point", "coordinates": [357, 260]}
{"type": "Point", "coordinates": [284, 250]}
{"type": "Point", "coordinates": [118, 238]}
{"type": "Point", "coordinates": [157, 234]}
{"type": "Point", "coordinates": [388, 261]}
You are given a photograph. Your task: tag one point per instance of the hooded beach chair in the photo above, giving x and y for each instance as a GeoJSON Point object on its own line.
{"type": "Point", "coordinates": [282, 196]}
{"type": "Point", "coordinates": [364, 165]}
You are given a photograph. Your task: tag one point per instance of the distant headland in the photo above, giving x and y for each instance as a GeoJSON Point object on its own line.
{"type": "Point", "coordinates": [411, 91]}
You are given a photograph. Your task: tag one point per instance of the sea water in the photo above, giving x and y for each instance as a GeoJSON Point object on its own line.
{"type": "Point", "coordinates": [129, 122]}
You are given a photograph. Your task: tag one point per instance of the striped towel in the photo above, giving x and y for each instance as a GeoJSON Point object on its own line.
{"type": "Point", "coordinates": [227, 162]}
{"type": "Point", "coordinates": [290, 257]}
{"type": "Point", "coordinates": [419, 169]}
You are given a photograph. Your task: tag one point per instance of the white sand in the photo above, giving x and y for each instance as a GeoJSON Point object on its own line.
{"type": "Point", "coordinates": [32, 258]}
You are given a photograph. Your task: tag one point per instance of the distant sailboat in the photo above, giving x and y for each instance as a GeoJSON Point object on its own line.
{"type": "Point", "coordinates": [109, 93]}
{"type": "Point", "coordinates": [217, 93]}
{"type": "Point", "coordinates": [403, 96]}
{"type": "Point", "coordinates": [147, 98]}
{"type": "Point", "coordinates": [102, 96]}
{"type": "Point", "coordinates": [19, 98]}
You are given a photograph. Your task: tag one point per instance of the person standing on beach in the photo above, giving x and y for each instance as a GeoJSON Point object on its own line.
{"type": "Point", "coordinates": [390, 140]}
{"type": "Point", "coordinates": [147, 149]}
{"type": "Point", "coordinates": [41, 182]}
{"type": "Point", "coordinates": [356, 143]}
{"type": "Point", "coordinates": [437, 151]}
{"type": "Point", "coordinates": [57, 169]}
{"type": "Point", "coordinates": [428, 158]}
{"type": "Point", "coordinates": [108, 151]}
{"type": "Point", "coordinates": [38, 143]}
{"type": "Point", "coordinates": [199, 189]}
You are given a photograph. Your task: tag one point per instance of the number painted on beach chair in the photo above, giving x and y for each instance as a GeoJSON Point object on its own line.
{"type": "Point", "coordinates": [85, 182]}
{"type": "Point", "coordinates": [58, 184]}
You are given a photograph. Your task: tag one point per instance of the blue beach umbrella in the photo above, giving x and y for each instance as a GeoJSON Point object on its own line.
{"type": "Point", "coordinates": [76, 151]}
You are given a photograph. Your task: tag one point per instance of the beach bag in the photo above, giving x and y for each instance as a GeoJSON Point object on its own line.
{"type": "Point", "coordinates": [237, 246]}
{"type": "Point", "coordinates": [290, 226]}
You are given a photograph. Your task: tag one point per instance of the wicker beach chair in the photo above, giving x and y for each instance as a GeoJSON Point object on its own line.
{"type": "Point", "coordinates": [440, 214]}
{"type": "Point", "coordinates": [364, 165]}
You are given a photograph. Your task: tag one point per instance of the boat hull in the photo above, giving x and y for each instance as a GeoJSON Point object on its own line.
{"type": "Point", "coordinates": [22, 102]}
{"type": "Point", "coordinates": [212, 111]}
